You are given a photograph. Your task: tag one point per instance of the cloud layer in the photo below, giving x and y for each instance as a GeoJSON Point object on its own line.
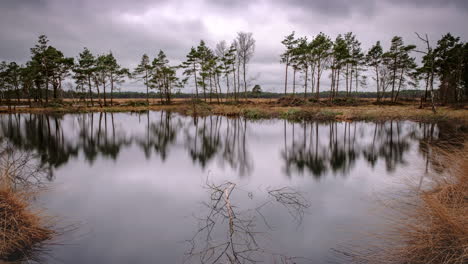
{"type": "Point", "coordinates": [131, 28]}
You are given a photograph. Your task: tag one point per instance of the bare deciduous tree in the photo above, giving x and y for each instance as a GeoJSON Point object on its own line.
{"type": "Point", "coordinates": [246, 49]}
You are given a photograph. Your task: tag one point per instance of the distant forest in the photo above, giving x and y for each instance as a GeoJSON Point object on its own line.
{"type": "Point", "coordinates": [408, 94]}
{"type": "Point", "coordinates": [222, 72]}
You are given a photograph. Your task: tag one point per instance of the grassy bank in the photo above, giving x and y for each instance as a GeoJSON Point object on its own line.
{"type": "Point", "coordinates": [435, 227]}
{"type": "Point", "coordinates": [429, 224]}
{"type": "Point", "coordinates": [22, 228]}
{"type": "Point", "coordinates": [270, 108]}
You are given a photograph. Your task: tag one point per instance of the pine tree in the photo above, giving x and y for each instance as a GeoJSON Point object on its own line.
{"type": "Point", "coordinates": [85, 69]}
{"type": "Point", "coordinates": [374, 60]}
{"type": "Point", "coordinates": [143, 72]}
{"type": "Point", "coordinates": [289, 42]}
{"type": "Point", "coordinates": [321, 46]}
{"type": "Point", "coordinates": [191, 66]}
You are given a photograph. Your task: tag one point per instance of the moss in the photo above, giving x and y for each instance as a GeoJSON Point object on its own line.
{"type": "Point", "coordinates": [290, 114]}
{"type": "Point", "coordinates": [255, 114]}
{"type": "Point", "coordinates": [328, 114]}
{"type": "Point", "coordinates": [137, 103]}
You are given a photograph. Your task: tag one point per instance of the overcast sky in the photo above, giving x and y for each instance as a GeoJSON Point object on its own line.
{"type": "Point", "coordinates": [132, 27]}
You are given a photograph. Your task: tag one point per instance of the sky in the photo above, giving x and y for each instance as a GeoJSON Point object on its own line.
{"type": "Point", "coordinates": [130, 28]}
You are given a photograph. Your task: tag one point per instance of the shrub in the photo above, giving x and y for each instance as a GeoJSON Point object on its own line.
{"type": "Point", "coordinates": [255, 114]}
{"type": "Point", "coordinates": [22, 229]}
{"type": "Point", "coordinates": [137, 103]}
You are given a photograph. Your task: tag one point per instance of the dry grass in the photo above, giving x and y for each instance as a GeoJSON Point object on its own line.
{"type": "Point", "coordinates": [22, 229]}
{"type": "Point", "coordinates": [428, 225]}
{"type": "Point", "coordinates": [438, 232]}
{"type": "Point", "coordinates": [272, 108]}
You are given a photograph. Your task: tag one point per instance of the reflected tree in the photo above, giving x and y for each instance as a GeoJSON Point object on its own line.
{"type": "Point", "coordinates": [206, 141]}
{"type": "Point", "coordinates": [305, 151]}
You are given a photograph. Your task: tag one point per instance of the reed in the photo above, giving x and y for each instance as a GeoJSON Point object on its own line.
{"type": "Point", "coordinates": [22, 229]}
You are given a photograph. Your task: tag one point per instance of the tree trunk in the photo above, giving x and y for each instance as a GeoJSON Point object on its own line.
{"type": "Point", "coordinates": [195, 76]}
{"type": "Point", "coordinates": [357, 79]}
{"type": "Point", "coordinates": [54, 86]}
{"type": "Point", "coordinates": [286, 77]}
{"type": "Point", "coordinates": [211, 88]}
{"type": "Point", "coordinates": [104, 91]}
{"type": "Point", "coordinates": [337, 83]}
{"type": "Point", "coordinates": [318, 81]}
{"type": "Point", "coordinates": [294, 82]}
{"type": "Point", "coordinates": [305, 84]}
{"type": "Point", "coordinates": [204, 87]}
{"type": "Point", "coordinates": [235, 84]}
{"type": "Point", "coordinates": [394, 77]}
{"type": "Point", "coordinates": [47, 90]}
{"type": "Point", "coordinates": [399, 86]}
{"type": "Point", "coordinates": [238, 79]}
{"type": "Point", "coordinates": [227, 85]}
{"type": "Point", "coordinates": [112, 88]}
{"type": "Point", "coordinates": [332, 84]}
{"type": "Point", "coordinates": [90, 90]}
{"type": "Point", "coordinates": [347, 77]}
{"type": "Point", "coordinates": [218, 91]}
{"type": "Point", "coordinates": [98, 93]}
{"type": "Point", "coordinates": [147, 88]}
{"type": "Point", "coordinates": [245, 81]}
{"type": "Point", "coordinates": [378, 84]}
{"type": "Point", "coordinates": [312, 80]}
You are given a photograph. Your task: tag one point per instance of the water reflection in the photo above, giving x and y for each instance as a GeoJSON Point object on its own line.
{"type": "Point", "coordinates": [206, 139]}
{"type": "Point", "coordinates": [138, 178]}
{"type": "Point", "coordinates": [160, 135]}
{"type": "Point", "coordinates": [318, 148]}
{"type": "Point", "coordinates": [311, 148]}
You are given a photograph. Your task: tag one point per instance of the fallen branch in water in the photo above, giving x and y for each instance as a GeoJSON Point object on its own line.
{"type": "Point", "coordinates": [236, 242]}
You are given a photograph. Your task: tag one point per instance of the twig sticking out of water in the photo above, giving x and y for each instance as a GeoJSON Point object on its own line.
{"type": "Point", "coordinates": [239, 244]}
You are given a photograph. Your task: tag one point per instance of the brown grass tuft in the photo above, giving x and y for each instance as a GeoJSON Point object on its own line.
{"type": "Point", "coordinates": [22, 229]}
{"type": "Point", "coordinates": [429, 224]}
{"type": "Point", "coordinates": [439, 231]}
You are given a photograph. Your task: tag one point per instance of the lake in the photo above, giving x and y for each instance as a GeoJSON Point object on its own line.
{"type": "Point", "coordinates": [158, 187]}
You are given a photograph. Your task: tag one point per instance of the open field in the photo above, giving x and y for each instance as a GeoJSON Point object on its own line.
{"type": "Point", "coordinates": [260, 108]}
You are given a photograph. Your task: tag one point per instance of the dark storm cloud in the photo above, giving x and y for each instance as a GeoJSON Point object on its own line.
{"type": "Point", "coordinates": [99, 25]}
{"type": "Point", "coordinates": [331, 7]}
{"type": "Point", "coordinates": [462, 5]}
{"type": "Point", "coordinates": [368, 7]}
{"type": "Point", "coordinates": [10, 4]}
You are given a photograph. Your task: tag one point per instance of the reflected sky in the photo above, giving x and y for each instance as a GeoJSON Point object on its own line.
{"type": "Point", "coordinates": [137, 184]}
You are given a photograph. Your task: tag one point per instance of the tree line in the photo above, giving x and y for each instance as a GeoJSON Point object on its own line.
{"type": "Point", "coordinates": [40, 79]}
{"type": "Point", "coordinates": [222, 72]}
{"type": "Point", "coordinates": [392, 70]}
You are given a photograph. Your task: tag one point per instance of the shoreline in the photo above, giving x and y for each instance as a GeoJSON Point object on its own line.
{"type": "Point", "coordinates": [263, 109]}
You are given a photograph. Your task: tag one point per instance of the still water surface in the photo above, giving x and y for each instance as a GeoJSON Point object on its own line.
{"type": "Point", "coordinates": [163, 188]}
